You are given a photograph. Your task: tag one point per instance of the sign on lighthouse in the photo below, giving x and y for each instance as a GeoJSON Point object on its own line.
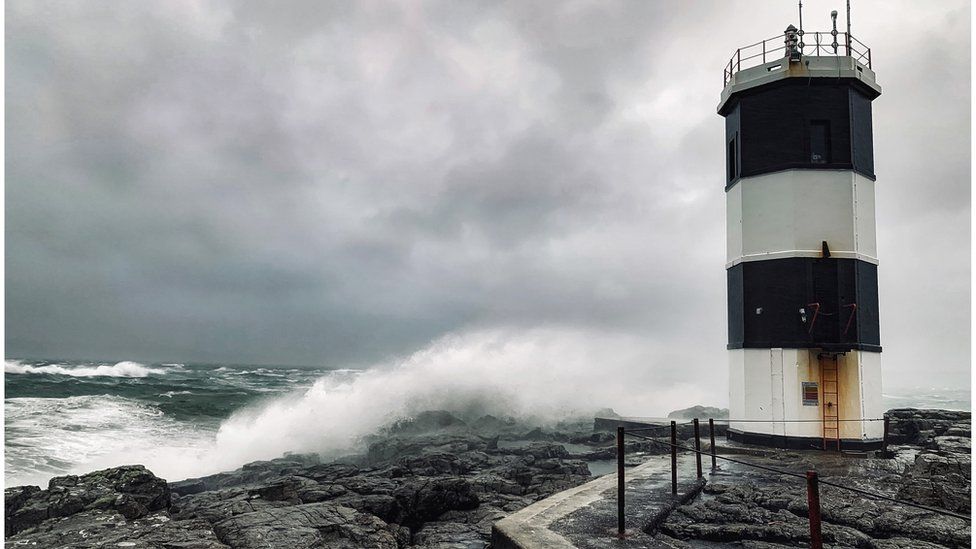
{"type": "Point", "coordinates": [802, 261]}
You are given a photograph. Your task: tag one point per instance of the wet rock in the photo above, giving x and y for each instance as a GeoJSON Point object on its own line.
{"type": "Point", "coordinates": [131, 490]}
{"type": "Point", "coordinates": [106, 528]}
{"type": "Point", "coordinates": [940, 480]}
{"type": "Point", "coordinates": [325, 525]}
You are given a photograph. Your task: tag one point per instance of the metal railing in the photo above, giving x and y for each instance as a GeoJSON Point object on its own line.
{"type": "Point", "coordinates": [811, 43]}
{"type": "Point", "coordinates": [812, 479]}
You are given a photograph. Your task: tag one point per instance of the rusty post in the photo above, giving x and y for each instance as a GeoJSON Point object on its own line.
{"type": "Point", "coordinates": [674, 458]}
{"type": "Point", "coordinates": [711, 436]}
{"type": "Point", "coordinates": [813, 504]}
{"type": "Point", "coordinates": [884, 438]}
{"type": "Point", "coordinates": [620, 482]}
{"type": "Point", "coordinates": [697, 449]}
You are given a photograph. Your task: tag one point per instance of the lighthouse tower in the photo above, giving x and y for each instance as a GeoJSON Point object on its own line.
{"type": "Point", "coordinates": [802, 263]}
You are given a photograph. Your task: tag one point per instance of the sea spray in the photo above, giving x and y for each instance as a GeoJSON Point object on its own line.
{"type": "Point", "coordinates": [543, 374]}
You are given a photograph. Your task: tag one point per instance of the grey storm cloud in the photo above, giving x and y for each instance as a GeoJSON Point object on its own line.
{"type": "Point", "coordinates": [335, 183]}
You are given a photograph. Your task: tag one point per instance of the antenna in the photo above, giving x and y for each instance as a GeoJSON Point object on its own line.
{"type": "Point", "coordinates": [801, 26]}
{"type": "Point", "coordinates": [848, 28]}
{"type": "Point", "coordinates": [848, 18]}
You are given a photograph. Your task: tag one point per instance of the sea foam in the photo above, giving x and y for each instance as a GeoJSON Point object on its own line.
{"type": "Point", "coordinates": [121, 369]}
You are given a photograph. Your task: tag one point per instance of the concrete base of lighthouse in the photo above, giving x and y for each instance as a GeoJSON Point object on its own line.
{"type": "Point", "coordinates": [768, 386]}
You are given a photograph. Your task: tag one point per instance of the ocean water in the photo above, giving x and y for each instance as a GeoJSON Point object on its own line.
{"type": "Point", "coordinates": [186, 420]}
{"type": "Point", "coordinates": [70, 417]}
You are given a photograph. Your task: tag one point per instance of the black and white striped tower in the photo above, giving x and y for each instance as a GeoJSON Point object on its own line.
{"type": "Point", "coordinates": [802, 263]}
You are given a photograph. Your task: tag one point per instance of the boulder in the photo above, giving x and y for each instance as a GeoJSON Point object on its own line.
{"type": "Point", "coordinates": [131, 490]}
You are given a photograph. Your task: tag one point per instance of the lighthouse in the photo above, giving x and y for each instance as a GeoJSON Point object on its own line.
{"type": "Point", "coordinates": [804, 346]}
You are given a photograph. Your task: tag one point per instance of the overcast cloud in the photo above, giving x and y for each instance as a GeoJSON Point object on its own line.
{"type": "Point", "coordinates": [337, 183]}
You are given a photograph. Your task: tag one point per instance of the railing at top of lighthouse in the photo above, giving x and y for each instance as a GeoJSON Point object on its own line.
{"type": "Point", "coordinates": [829, 43]}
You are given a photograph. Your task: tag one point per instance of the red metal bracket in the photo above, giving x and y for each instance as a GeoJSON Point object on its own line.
{"type": "Point", "coordinates": [816, 311]}
{"type": "Point", "coordinates": [853, 307]}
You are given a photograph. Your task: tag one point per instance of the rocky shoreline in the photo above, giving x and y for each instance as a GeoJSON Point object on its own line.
{"type": "Point", "coordinates": [436, 481]}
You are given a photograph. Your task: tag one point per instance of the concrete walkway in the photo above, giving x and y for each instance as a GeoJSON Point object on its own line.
{"type": "Point", "coordinates": [586, 516]}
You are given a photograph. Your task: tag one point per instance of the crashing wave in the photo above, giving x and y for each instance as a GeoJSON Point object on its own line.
{"type": "Point", "coordinates": [125, 368]}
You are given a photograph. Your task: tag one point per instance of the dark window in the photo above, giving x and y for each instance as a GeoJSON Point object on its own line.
{"type": "Point", "coordinates": [733, 165]}
{"type": "Point", "coordinates": [819, 142]}
{"type": "Point", "coordinates": [810, 393]}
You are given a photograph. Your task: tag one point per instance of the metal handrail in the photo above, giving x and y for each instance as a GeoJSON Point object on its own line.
{"type": "Point", "coordinates": [812, 43]}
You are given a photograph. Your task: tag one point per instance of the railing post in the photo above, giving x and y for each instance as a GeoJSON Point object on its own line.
{"type": "Point", "coordinates": [738, 59]}
{"type": "Point", "coordinates": [711, 437]}
{"type": "Point", "coordinates": [674, 458]}
{"type": "Point", "coordinates": [764, 52]}
{"type": "Point", "coordinates": [697, 449]}
{"type": "Point", "coordinates": [884, 438]}
{"type": "Point", "coordinates": [813, 504]}
{"type": "Point", "coordinates": [620, 482]}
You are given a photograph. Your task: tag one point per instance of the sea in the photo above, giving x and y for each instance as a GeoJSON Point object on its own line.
{"type": "Point", "coordinates": [187, 420]}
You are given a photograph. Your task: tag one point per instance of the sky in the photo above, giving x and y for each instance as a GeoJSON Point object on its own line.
{"type": "Point", "coordinates": [339, 184]}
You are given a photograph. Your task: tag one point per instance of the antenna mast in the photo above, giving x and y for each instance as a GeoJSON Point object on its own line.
{"type": "Point", "coordinates": [848, 18]}
{"type": "Point", "coordinates": [848, 28]}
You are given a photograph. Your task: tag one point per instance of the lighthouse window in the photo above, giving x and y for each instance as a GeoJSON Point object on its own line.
{"type": "Point", "coordinates": [733, 166]}
{"type": "Point", "coordinates": [810, 393]}
{"type": "Point", "coordinates": [819, 142]}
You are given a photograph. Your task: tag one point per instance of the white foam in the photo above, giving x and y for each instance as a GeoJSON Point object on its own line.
{"type": "Point", "coordinates": [544, 374]}
{"type": "Point", "coordinates": [121, 369]}
{"type": "Point", "coordinates": [170, 394]}
{"type": "Point", "coordinates": [47, 437]}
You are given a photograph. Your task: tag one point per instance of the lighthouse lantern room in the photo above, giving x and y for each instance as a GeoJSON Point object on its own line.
{"type": "Point", "coordinates": [802, 262]}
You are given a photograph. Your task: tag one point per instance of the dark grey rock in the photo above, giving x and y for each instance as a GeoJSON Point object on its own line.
{"type": "Point", "coordinates": [324, 525]}
{"type": "Point", "coordinates": [131, 490]}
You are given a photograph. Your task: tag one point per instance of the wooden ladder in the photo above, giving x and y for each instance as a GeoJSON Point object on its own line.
{"type": "Point", "coordinates": [830, 407]}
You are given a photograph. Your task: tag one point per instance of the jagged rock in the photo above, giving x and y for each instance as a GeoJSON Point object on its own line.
{"type": "Point", "coordinates": [424, 500]}
{"type": "Point", "coordinates": [940, 480]}
{"type": "Point", "coordinates": [325, 525]}
{"type": "Point", "coordinates": [105, 528]}
{"type": "Point", "coordinates": [131, 490]}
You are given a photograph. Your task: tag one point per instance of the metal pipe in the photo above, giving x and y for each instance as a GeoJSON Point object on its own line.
{"type": "Point", "coordinates": [813, 505]}
{"type": "Point", "coordinates": [801, 19]}
{"type": "Point", "coordinates": [848, 22]}
{"type": "Point", "coordinates": [711, 436]}
{"type": "Point", "coordinates": [620, 482]}
{"type": "Point", "coordinates": [884, 438]}
{"type": "Point", "coordinates": [674, 458]}
{"type": "Point", "coordinates": [697, 449]}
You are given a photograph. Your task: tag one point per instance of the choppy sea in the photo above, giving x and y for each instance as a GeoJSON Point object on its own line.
{"type": "Point", "coordinates": [63, 416]}
{"type": "Point", "coordinates": [185, 420]}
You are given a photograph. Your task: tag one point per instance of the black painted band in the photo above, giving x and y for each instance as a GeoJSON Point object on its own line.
{"type": "Point", "coordinates": [804, 303]}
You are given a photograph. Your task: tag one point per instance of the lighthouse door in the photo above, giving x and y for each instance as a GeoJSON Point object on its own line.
{"type": "Point", "coordinates": [830, 410]}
